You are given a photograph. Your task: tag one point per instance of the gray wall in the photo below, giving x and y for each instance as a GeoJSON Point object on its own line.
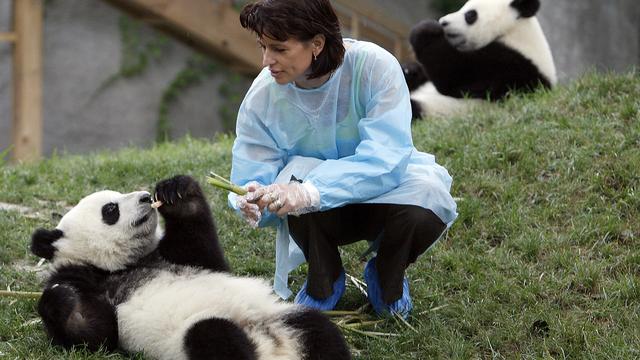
{"type": "Point", "coordinates": [592, 34]}
{"type": "Point", "coordinates": [82, 51]}
{"type": "Point", "coordinates": [410, 10]}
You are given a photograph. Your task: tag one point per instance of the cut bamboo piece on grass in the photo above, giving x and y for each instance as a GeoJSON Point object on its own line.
{"type": "Point", "coordinates": [405, 322]}
{"type": "Point", "coordinates": [373, 334]}
{"type": "Point", "coordinates": [20, 294]}
{"type": "Point", "coordinates": [358, 284]}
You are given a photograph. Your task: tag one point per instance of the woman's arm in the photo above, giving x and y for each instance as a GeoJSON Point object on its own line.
{"type": "Point", "coordinates": [255, 154]}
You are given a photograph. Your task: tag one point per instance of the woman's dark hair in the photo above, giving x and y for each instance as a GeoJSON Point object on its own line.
{"type": "Point", "coordinates": [301, 20]}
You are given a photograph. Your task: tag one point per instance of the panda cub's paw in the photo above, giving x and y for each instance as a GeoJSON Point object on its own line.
{"type": "Point", "coordinates": [180, 196]}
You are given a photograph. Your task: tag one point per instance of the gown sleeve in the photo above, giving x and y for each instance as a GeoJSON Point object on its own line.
{"type": "Point", "coordinates": [255, 154]}
{"type": "Point", "coordinates": [385, 147]}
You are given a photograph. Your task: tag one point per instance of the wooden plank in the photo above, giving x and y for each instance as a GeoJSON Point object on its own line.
{"type": "Point", "coordinates": [360, 27]}
{"type": "Point", "coordinates": [27, 80]}
{"type": "Point", "coordinates": [209, 26]}
{"type": "Point", "coordinates": [397, 48]}
{"type": "Point", "coordinates": [7, 37]}
{"type": "Point", "coordinates": [355, 26]}
{"type": "Point", "coordinates": [377, 15]}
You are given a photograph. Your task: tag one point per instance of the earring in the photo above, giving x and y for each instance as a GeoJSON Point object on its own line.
{"type": "Point", "coordinates": [315, 57]}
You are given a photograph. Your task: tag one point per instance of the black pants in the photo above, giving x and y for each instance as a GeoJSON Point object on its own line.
{"type": "Point", "coordinates": [408, 232]}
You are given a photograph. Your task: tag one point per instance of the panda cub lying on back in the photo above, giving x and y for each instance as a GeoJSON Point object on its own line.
{"type": "Point", "coordinates": [116, 283]}
{"type": "Point", "coordinates": [482, 51]}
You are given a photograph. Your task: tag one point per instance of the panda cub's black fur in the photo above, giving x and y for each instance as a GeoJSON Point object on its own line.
{"type": "Point", "coordinates": [117, 282]}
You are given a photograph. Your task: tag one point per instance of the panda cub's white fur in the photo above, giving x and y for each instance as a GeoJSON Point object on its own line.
{"type": "Point", "coordinates": [88, 239]}
{"type": "Point", "coordinates": [186, 298]}
{"type": "Point", "coordinates": [119, 282]}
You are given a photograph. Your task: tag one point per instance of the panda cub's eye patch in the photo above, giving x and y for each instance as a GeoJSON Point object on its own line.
{"type": "Point", "coordinates": [471, 17]}
{"type": "Point", "coordinates": [110, 213]}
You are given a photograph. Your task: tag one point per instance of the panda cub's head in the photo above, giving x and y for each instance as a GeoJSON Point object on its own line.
{"type": "Point", "coordinates": [480, 22]}
{"type": "Point", "coordinates": [106, 229]}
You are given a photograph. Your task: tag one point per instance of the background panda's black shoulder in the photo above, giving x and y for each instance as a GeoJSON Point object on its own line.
{"type": "Point", "coordinates": [526, 8]}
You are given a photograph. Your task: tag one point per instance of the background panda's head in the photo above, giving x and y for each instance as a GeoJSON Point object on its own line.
{"type": "Point", "coordinates": [106, 229]}
{"type": "Point", "coordinates": [480, 22]}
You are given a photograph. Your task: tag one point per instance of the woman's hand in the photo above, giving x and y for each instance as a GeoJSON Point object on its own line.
{"type": "Point", "coordinates": [293, 198]}
{"type": "Point", "coordinates": [251, 212]}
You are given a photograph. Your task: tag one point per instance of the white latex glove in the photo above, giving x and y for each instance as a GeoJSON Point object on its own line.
{"type": "Point", "coordinates": [293, 198]}
{"type": "Point", "coordinates": [250, 211]}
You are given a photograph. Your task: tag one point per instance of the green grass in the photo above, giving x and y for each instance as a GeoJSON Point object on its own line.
{"type": "Point", "coordinates": [543, 262]}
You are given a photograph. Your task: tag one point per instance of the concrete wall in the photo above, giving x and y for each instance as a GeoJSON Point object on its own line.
{"type": "Point", "coordinates": [410, 10]}
{"type": "Point", "coordinates": [82, 51]}
{"type": "Point", "coordinates": [592, 34]}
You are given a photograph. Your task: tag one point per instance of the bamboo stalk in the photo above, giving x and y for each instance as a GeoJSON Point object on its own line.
{"type": "Point", "coordinates": [20, 294]}
{"type": "Point", "coordinates": [220, 182]}
{"type": "Point", "coordinates": [405, 322]}
{"type": "Point", "coordinates": [220, 178]}
{"type": "Point", "coordinates": [340, 312]}
{"type": "Point", "coordinates": [358, 284]}
{"type": "Point", "coordinates": [361, 324]}
{"type": "Point", "coordinates": [373, 334]}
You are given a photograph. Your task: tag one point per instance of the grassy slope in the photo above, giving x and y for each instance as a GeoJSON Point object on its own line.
{"type": "Point", "coordinates": [543, 261]}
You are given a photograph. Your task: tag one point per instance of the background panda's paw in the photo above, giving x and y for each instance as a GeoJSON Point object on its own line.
{"type": "Point", "coordinates": [179, 195]}
{"type": "Point", "coordinates": [424, 32]}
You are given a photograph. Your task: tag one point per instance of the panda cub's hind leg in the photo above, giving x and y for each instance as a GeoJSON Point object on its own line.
{"type": "Point", "coordinates": [218, 339]}
{"type": "Point", "coordinates": [321, 339]}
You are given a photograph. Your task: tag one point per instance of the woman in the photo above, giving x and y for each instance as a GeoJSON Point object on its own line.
{"type": "Point", "coordinates": [324, 148]}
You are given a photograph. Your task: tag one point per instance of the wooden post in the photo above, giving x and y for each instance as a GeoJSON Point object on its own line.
{"type": "Point", "coordinates": [27, 80]}
{"type": "Point", "coordinates": [355, 26]}
{"type": "Point", "coordinates": [397, 48]}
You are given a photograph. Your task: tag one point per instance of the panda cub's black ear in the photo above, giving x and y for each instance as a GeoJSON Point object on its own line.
{"type": "Point", "coordinates": [42, 242]}
{"type": "Point", "coordinates": [526, 8]}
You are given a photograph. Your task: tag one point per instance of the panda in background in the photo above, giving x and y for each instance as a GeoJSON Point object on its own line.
{"type": "Point", "coordinates": [425, 98]}
{"type": "Point", "coordinates": [415, 77]}
{"type": "Point", "coordinates": [117, 282]}
{"type": "Point", "coordinates": [483, 51]}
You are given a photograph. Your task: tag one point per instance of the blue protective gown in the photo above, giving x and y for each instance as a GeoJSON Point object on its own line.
{"type": "Point", "coordinates": [354, 132]}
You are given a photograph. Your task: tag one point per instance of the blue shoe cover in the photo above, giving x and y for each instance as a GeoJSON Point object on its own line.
{"type": "Point", "coordinates": [329, 303]}
{"type": "Point", "coordinates": [401, 306]}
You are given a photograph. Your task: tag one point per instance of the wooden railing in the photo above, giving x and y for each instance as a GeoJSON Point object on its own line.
{"type": "Point", "coordinates": [362, 20]}
{"type": "Point", "coordinates": [27, 79]}
{"type": "Point", "coordinates": [213, 27]}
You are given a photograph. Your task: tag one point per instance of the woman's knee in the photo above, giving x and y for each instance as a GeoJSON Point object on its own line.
{"type": "Point", "coordinates": [425, 220]}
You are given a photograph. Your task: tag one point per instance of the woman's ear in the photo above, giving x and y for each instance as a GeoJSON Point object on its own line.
{"type": "Point", "coordinates": [317, 44]}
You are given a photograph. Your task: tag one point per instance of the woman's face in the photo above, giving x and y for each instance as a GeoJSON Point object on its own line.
{"type": "Point", "coordinates": [287, 60]}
